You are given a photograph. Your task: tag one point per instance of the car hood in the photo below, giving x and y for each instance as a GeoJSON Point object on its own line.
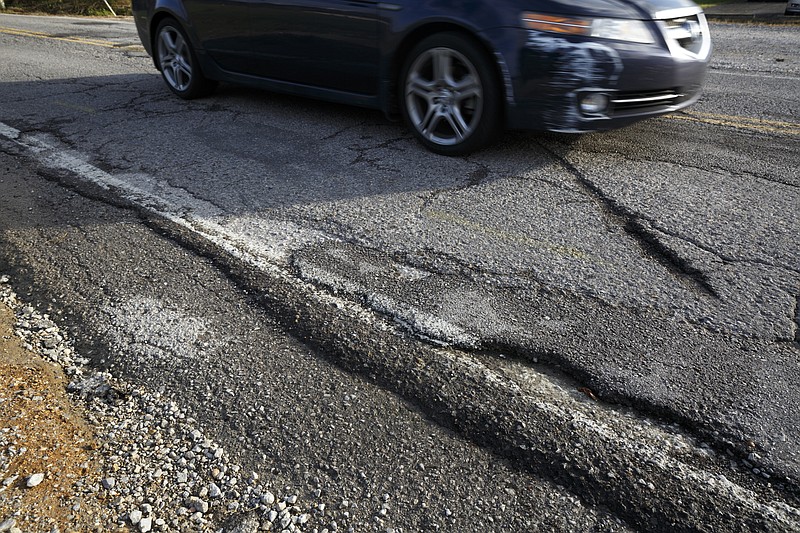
{"type": "Point", "coordinates": [627, 9]}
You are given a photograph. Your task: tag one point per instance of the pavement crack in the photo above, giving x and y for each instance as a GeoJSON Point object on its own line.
{"type": "Point", "coordinates": [344, 130]}
{"type": "Point", "coordinates": [722, 171]}
{"type": "Point", "coordinates": [633, 225]}
{"type": "Point", "coordinates": [764, 177]}
{"type": "Point", "coordinates": [194, 197]}
{"type": "Point", "coordinates": [376, 162]}
{"type": "Point", "coordinates": [443, 264]}
{"type": "Point", "coordinates": [724, 258]}
{"type": "Point", "coordinates": [759, 262]}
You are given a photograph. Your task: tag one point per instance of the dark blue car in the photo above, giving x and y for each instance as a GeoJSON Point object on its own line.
{"type": "Point", "coordinates": [457, 71]}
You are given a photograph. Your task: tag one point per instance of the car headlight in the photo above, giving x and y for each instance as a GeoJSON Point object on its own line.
{"type": "Point", "coordinates": [632, 31]}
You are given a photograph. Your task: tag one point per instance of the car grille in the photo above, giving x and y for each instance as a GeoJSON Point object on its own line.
{"type": "Point", "coordinates": [625, 102]}
{"type": "Point", "coordinates": [687, 34]}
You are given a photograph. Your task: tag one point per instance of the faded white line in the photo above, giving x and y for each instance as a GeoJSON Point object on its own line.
{"type": "Point", "coordinates": [174, 204]}
{"type": "Point", "coordinates": [189, 212]}
{"type": "Point", "coordinates": [198, 216]}
{"type": "Point", "coordinates": [8, 132]}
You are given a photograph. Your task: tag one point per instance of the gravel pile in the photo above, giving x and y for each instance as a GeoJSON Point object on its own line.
{"type": "Point", "coordinates": [158, 472]}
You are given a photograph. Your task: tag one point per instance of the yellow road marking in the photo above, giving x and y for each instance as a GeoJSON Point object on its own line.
{"type": "Point", "coordinates": [507, 236]}
{"type": "Point", "coordinates": [79, 40]}
{"type": "Point", "coordinates": [739, 122]}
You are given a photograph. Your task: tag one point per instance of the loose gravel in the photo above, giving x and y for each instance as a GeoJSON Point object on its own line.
{"type": "Point", "coordinates": [156, 470]}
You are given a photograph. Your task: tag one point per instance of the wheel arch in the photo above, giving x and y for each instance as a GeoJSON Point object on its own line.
{"type": "Point", "coordinates": [410, 40]}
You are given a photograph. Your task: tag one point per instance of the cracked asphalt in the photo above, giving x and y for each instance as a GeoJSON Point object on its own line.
{"type": "Point", "coordinates": [657, 267]}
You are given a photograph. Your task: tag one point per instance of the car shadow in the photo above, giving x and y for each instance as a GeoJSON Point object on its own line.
{"type": "Point", "coordinates": [247, 150]}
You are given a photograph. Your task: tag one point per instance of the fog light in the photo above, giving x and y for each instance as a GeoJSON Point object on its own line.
{"type": "Point", "coordinates": [594, 104]}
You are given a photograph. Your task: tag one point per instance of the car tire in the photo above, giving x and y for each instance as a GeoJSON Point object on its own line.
{"type": "Point", "coordinates": [450, 95]}
{"type": "Point", "coordinates": [178, 62]}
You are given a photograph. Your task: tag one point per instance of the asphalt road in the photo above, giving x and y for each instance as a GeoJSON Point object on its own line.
{"type": "Point", "coordinates": [655, 267]}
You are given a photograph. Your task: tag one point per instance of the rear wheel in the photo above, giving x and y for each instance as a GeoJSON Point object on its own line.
{"type": "Point", "coordinates": [450, 95]}
{"type": "Point", "coordinates": [178, 63]}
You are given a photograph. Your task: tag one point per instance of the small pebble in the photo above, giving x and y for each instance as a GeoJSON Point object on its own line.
{"type": "Point", "coordinates": [135, 516]}
{"type": "Point", "coordinates": [34, 480]}
{"type": "Point", "coordinates": [145, 524]}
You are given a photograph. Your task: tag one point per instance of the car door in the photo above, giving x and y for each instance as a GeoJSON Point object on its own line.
{"type": "Point", "coordinates": [220, 28]}
{"type": "Point", "coordinates": [323, 43]}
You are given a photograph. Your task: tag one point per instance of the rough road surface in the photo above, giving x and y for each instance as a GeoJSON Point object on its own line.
{"type": "Point", "coordinates": [391, 341]}
{"type": "Point", "coordinates": [336, 451]}
{"type": "Point", "coordinates": [148, 310]}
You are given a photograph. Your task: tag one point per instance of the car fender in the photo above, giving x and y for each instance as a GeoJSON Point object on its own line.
{"type": "Point", "coordinates": [172, 9]}
{"type": "Point", "coordinates": [403, 28]}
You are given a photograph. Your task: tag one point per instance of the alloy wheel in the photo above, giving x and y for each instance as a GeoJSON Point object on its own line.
{"type": "Point", "coordinates": [444, 96]}
{"type": "Point", "coordinates": [175, 58]}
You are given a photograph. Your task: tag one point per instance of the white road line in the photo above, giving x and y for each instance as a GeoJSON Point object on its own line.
{"type": "Point", "coordinates": [197, 216]}
{"type": "Point", "coordinates": [176, 205]}
{"type": "Point", "coordinates": [185, 210]}
{"type": "Point", "coordinates": [8, 132]}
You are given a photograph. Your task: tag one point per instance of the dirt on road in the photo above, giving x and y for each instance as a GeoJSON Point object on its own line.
{"type": "Point", "coordinates": [47, 445]}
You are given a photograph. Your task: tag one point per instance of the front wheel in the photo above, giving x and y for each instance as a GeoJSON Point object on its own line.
{"type": "Point", "coordinates": [450, 95]}
{"type": "Point", "coordinates": [178, 62]}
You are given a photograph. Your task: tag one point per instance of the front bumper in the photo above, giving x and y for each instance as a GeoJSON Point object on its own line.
{"type": "Point", "coordinates": [551, 75]}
